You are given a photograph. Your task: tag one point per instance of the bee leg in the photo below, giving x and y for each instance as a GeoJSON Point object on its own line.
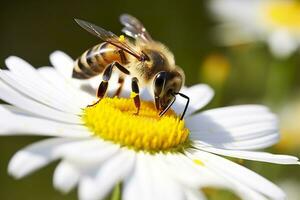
{"type": "Point", "coordinates": [135, 94]}
{"type": "Point", "coordinates": [106, 77]}
{"type": "Point", "coordinates": [91, 105]}
{"type": "Point", "coordinates": [101, 91]}
{"type": "Point", "coordinates": [104, 84]}
{"type": "Point", "coordinates": [120, 67]}
{"type": "Point", "coordinates": [121, 82]}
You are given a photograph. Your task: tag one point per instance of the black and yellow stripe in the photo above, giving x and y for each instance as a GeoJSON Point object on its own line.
{"type": "Point", "coordinates": [93, 61]}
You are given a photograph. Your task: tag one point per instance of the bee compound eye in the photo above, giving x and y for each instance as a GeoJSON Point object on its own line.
{"type": "Point", "coordinates": [159, 82]}
{"type": "Point", "coordinates": [160, 79]}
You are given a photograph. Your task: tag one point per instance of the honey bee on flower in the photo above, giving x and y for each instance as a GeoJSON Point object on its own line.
{"type": "Point", "coordinates": [167, 157]}
{"type": "Point", "coordinates": [149, 63]}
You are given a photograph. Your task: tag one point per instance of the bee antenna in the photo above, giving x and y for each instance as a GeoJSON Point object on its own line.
{"type": "Point", "coordinates": [186, 105]}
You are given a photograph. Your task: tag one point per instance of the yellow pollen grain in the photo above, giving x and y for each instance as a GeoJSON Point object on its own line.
{"type": "Point", "coordinates": [114, 119]}
{"type": "Point", "coordinates": [122, 38]}
{"type": "Point", "coordinates": [133, 94]}
{"type": "Point", "coordinates": [198, 162]}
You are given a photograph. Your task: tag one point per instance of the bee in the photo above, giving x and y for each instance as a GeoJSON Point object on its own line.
{"type": "Point", "coordinates": [148, 62]}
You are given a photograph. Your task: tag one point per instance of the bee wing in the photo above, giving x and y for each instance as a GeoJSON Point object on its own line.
{"type": "Point", "coordinates": [134, 28]}
{"type": "Point", "coordinates": [109, 37]}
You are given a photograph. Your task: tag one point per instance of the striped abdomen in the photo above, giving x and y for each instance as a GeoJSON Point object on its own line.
{"type": "Point", "coordinates": [93, 61]}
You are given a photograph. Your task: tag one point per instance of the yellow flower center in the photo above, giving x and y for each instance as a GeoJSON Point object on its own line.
{"type": "Point", "coordinates": [283, 14]}
{"type": "Point", "coordinates": [114, 119]}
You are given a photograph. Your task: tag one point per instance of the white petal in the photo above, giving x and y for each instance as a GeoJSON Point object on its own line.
{"type": "Point", "coordinates": [191, 194]}
{"type": "Point", "coordinates": [247, 144]}
{"type": "Point", "coordinates": [244, 191]}
{"type": "Point", "coordinates": [5, 111]}
{"type": "Point", "coordinates": [12, 110]}
{"type": "Point", "coordinates": [235, 127]}
{"type": "Point", "coordinates": [213, 177]}
{"type": "Point", "coordinates": [146, 95]}
{"type": "Point", "coordinates": [26, 73]}
{"type": "Point", "coordinates": [199, 95]}
{"type": "Point", "coordinates": [231, 116]}
{"type": "Point", "coordinates": [253, 155]}
{"type": "Point", "coordinates": [136, 186]}
{"type": "Point", "coordinates": [19, 66]}
{"type": "Point", "coordinates": [198, 175]}
{"type": "Point", "coordinates": [63, 63]}
{"type": "Point", "coordinates": [262, 140]}
{"type": "Point", "coordinates": [66, 176]}
{"type": "Point", "coordinates": [11, 96]}
{"type": "Point", "coordinates": [149, 181]}
{"type": "Point", "coordinates": [189, 176]}
{"type": "Point", "coordinates": [48, 97]}
{"type": "Point", "coordinates": [85, 188]}
{"type": "Point", "coordinates": [66, 87]}
{"type": "Point", "coordinates": [224, 135]}
{"type": "Point", "coordinates": [282, 44]}
{"type": "Point", "coordinates": [18, 122]}
{"type": "Point", "coordinates": [87, 153]}
{"type": "Point", "coordinates": [240, 174]}
{"type": "Point", "coordinates": [108, 175]}
{"type": "Point", "coordinates": [34, 157]}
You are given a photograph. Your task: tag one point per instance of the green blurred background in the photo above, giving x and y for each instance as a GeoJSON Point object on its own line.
{"type": "Point", "coordinates": [242, 74]}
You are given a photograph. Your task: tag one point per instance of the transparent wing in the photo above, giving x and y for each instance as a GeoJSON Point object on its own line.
{"type": "Point", "coordinates": [134, 28]}
{"type": "Point", "coordinates": [110, 37]}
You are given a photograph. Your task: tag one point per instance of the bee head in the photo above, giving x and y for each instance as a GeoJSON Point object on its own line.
{"type": "Point", "coordinates": [165, 85]}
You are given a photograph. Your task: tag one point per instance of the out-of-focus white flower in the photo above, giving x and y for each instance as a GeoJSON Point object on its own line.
{"type": "Point", "coordinates": [276, 22]}
{"type": "Point", "coordinates": [290, 126]}
{"type": "Point", "coordinates": [155, 158]}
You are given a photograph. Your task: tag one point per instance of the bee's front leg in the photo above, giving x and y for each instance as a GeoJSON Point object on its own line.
{"type": "Point", "coordinates": [135, 94]}
{"type": "Point", "coordinates": [106, 77]}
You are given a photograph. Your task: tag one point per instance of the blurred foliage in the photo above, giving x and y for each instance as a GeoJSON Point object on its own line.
{"type": "Point", "coordinates": [242, 74]}
{"type": "Point", "coordinates": [216, 194]}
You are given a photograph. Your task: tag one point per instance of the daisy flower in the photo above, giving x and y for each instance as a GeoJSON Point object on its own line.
{"type": "Point", "coordinates": [104, 145]}
{"type": "Point", "coordinates": [277, 22]}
